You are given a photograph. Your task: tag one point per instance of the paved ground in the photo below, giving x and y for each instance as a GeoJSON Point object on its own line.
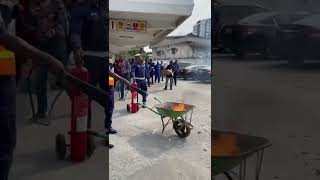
{"type": "Point", "coordinates": [140, 151]}
{"type": "Point", "coordinates": [269, 99]}
{"type": "Point", "coordinates": [35, 157]}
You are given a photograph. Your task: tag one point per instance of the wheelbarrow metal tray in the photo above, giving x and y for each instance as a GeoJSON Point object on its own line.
{"type": "Point", "coordinates": [248, 145]}
{"type": "Point", "coordinates": [166, 109]}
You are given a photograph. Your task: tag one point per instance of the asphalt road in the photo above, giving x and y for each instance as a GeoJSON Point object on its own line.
{"type": "Point", "coordinates": [269, 99]}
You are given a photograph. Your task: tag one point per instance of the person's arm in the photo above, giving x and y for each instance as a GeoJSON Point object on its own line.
{"type": "Point", "coordinates": [119, 78]}
{"type": "Point", "coordinates": [133, 68]}
{"type": "Point", "coordinates": [23, 49]}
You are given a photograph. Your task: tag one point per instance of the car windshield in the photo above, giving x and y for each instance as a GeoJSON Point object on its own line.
{"type": "Point", "coordinates": [256, 18]}
{"type": "Point", "coordinates": [310, 21]}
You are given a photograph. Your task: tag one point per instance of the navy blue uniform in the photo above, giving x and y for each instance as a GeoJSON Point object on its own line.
{"type": "Point", "coordinates": [7, 118]}
{"type": "Point", "coordinates": [88, 31]}
{"type": "Point", "coordinates": [138, 73]}
{"type": "Point", "coordinates": [157, 72]}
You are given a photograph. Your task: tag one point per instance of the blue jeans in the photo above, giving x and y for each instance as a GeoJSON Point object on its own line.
{"type": "Point", "coordinates": [122, 85]}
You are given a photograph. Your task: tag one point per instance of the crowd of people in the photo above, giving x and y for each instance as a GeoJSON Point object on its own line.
{"type": "Point", "coordinates": [146, 73]}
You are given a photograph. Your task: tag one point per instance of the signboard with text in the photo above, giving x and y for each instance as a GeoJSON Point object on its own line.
{"type": "Point", "coordinates": [128, 25]}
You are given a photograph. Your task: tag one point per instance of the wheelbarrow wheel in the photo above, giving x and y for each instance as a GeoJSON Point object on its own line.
{"type": "Point", "coordinates": [61, 147]}
{"type": "Point", "coordinates": [128, 108]}
{"type": "Point", "coordinates": [181, 128]}
{"type": "Point", "coordinates": [90, 146]}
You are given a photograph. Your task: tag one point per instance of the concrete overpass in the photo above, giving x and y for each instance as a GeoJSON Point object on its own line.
{"type": "Point", "coordinates": [138, 23]}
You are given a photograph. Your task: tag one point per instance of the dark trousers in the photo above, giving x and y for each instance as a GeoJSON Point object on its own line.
{"type": "Point", "coordinates": [41, 87]}
{"type": "Point", "coordinates": [175, 74]}
{"type": "Point", "coordinates": [98, 74]}
{"type": "Point", "coordinates": [152, 77]}
{"type": "Point", "coordinates": [5, 166]}
{"type": "Point", "coordinates": [41, 71]}
{"type": "Point", "coordinates": [162, 74]}
{"type": "Point", "coordinates": [7, 124]}
{"type": "Point", "coordinates": [142, 84]}
{"type": "Point", "coordinates": [157, 77]}
{"type": "Point", "coordinates": [109, 109]}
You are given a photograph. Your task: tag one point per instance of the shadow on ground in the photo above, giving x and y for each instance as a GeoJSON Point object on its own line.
{"type": "Point", "coordinates": [307, 67]}
{"type": "Point", "coordinates": [154, 145]}
{"type": "Point", "coordinates": [38, 162]}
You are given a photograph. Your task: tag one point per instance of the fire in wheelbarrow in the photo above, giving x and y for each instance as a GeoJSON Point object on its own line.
{"type": "Point", "coordinates": [179, 114]}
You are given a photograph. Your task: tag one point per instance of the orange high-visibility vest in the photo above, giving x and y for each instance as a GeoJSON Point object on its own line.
{"type": "Point", "coordinates": [111, 81]}
{"type": "Point", "coordinates": [7, 62]}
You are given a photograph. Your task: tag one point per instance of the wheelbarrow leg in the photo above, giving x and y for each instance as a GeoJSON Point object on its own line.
{"type": "Point", "coordinates": [162, 125]}
{"type": "Point", "coordinates": [228, 175]}
{"type": "Point", "coordinates": [259, 163]}
{"type": "Point", "coordinates": [242, 169]}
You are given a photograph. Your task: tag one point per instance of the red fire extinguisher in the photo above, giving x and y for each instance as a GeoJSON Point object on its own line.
{"type": "Point", "coordinates": [79, 112]}
{"type": "Point", "coordinates": [134, 99]}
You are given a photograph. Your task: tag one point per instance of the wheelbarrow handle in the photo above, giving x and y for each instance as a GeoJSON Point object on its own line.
{"type": "Point", "coordinates": [157, 100]}
{"type": "Point", "coordinates": [151, 109]}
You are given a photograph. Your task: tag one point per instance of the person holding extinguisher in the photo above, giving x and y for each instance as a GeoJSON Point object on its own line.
{"type": "Point", "coordinates": [138, 76]}
{"type": "Point", "coordinates": [89, 41]}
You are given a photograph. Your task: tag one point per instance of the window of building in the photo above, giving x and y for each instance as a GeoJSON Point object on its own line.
{"type": "Point", "coordinates": [158, 53]}
{"type": "Point", "coordinates": [173, 50]}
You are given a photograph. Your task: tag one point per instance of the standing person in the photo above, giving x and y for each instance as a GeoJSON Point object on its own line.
{"type": "Point", "coordinates": [162, 70]}
{"type": "Point", "coordinates": [10, 46]}
{"type": "Point", "coordinates": [176, 69]}
{"type": "Point", "coordinates": [89, 40]}
{"type": "Point", "coordinates": [157, 71]}
{"type": "Point", "coordinates": [50, 31]}
{"type": "Point", "coordinates": [151, 71]}
{"type": "Point", "coordinates": [147, 71]}
{"type": "Point", "coordinates": [138, 76]}
{"type": "Point", "coordinates": [123, 71]}
{"type": "Point", "coordinates": [169, 75]}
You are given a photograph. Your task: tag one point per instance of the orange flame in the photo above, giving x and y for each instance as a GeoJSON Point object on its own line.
{"type": "Point", "coordinates": [179, 107]}
{"type": "Point", "coordinates": [225, 145]}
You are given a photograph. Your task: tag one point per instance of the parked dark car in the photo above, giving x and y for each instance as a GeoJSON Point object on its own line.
{"type": "Point", "coordinates": [205, 74]}
{"type": "Point", "coordinates": [257, 33]}
{"type": "Point", "coordinates": [182, 65]}
{"type": "Point", "coordinates": [301, 40]}
{"type": "Point", "coordinates": [190, 72]}
{"type": "Point", "coordinates": [228, 14]}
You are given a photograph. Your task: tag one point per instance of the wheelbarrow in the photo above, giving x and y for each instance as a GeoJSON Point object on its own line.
{"type": "Point", "coordinates": [180, 118]}
{"type": "Point", "coordinates": [223, 162]}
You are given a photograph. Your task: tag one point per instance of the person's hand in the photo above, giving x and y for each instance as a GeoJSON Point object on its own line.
{"type": "Point", "coordinates": [78, 56]}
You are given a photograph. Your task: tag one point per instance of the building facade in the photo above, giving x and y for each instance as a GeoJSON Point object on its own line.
{"type": "Point", "coordinates": [189, 49]}
{"type": "Point", "coordinates": [203, 28]}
